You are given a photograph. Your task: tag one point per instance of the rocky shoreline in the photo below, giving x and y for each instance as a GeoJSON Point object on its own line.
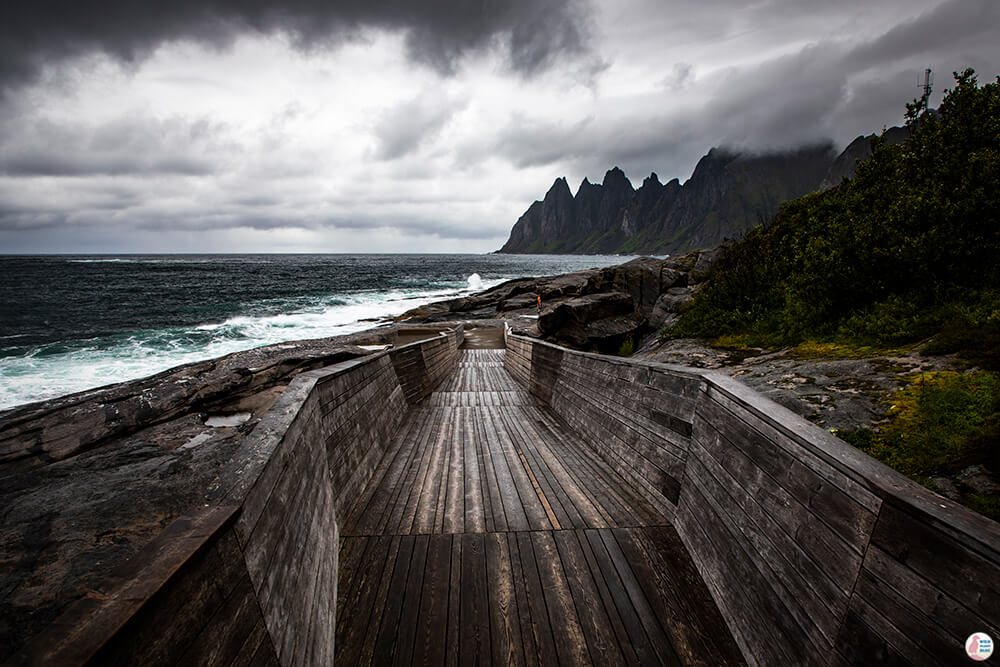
{"type": "Point", "coordinates": [621, 310]}
{"type": "Point", "coordinates": [77, 471]}
{"type": "Point", "coordinates": [87, 479]}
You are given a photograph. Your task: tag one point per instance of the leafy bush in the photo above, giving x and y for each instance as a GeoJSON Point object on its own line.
{"type": "Point", "coordinates": [937, 423]}
{"type": "Point", "coordinates": [884, 258]}
{"type": "Point", "coordinates": [626, 348]}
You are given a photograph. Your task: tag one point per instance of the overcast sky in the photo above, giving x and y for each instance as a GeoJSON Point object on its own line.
{"type": "Point", "coordinates": [404, 126]}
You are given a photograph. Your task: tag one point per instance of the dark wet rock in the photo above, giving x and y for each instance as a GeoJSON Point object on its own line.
{"type": "Point", "coordinates": [979, 480]}
{"type": "Point", "coordinates": [519, 302]}
{"type": "Point", "coordinates": [668, 306]}
{"type": "Point", "coordinates": [644, 293]}
{"type": "Point", "coordinates": [706, 261]}
{"type": "Point", "coordinates": [87, 479]}
{"type": "Point", "coordinates": [838, 394]}
{"type": "Point", "coordinates": [608, 334]}
{"type": "Point", "coordinates": [947, 488]}
{"type": "Point", "coordinates": [590, 321]}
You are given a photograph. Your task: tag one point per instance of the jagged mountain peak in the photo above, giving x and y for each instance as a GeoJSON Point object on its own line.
{"type": "Point", "coordinates": [730, 191]}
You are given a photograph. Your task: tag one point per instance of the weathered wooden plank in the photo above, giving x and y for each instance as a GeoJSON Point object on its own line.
{"type": "Point", "coordinates": [541, 629]}
{"type": "Point", "coordinates": [474, 639]}
{"type": "Point", "coordinates": [495, 513]}
{"type": "Point", "coordinates": [162, 631]}
{"type": "Point", "coordinates": [258, 640]}
{"type": "Point", "coordinates": [359, 611]}
{"type": "Point", "coordinates": [941, 608]}
{"type": "Point", "coordinates": [684, 605]}
{"type": "Point", "coordinates": [861, 644]}
{"type": "Point", "coordinates": [223, 637]}
{"type": "Point", "coordinates": [525, 632]}
{"type": "Point", "coordinates": [618, 569]}
{"type": "Point", "coordinates": [505, 624]}
{"type": "Point", "coordinates": [369, 517]}
{"type": "Point", "coordinates": [850, 507]}
{"type": "Point", "coordinates": [594, 620]}
{"type": "Point", "coordinates": [394, 520]}
{"type": "Point", "coordinates": [571, 644]}
{"type": "Point", "coordinates": [453, 519]}
{"type": "Point", "coordinates": [583, 476]}
{"type": "Point", "coordinates": [632, 638]}
{"type": "Point", "coordinates": [424, 505]}
{"type": "Point", "coordinates": [432, 618]}
{"type": "Point", "coordinates": [775, 555]}
{"type": "Point", "coordinates": [406, 632]}
{"type": "Point", "coordinates": [537, 458]}
{"type": "Point", "coordinates": [516, 518]}
{"type": "Point", "coordinates": [527, 493]}
{"type": "Point", "coordinates": [453, 640]}
{"type": "Point", "coordinates": [923, 636]}
{"type": "Point", "coordinates": [386, 645]}
{"type": "Point", "coordinates": [957, 570]}
{"type": "Point", "coordinates": [828, 548]}
{"type": "Point", "coordinates": [474, 517]}
{"type": "Point", "coordinates": [758, 621]}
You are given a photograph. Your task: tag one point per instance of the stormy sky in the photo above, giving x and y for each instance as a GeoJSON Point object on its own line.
{"type": "Point", "coordinates": [401, 126]}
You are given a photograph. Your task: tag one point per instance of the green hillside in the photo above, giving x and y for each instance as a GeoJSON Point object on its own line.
{"type": "Point", "coordinates": [907, 253]}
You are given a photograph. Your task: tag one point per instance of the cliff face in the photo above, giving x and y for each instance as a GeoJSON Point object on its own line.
{"type": "Point", "coordinates": [562, 223]}
{"type": "Point", "coordinates": [727, 194]}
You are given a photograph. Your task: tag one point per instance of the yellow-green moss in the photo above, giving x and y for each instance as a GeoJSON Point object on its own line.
{"type": "Point", "coordinates": [818, 350]}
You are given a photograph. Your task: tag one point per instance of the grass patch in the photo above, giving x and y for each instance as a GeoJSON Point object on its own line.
{"type": "Point", "coordinates": [939, 424]}
{"type": "Point", "coordinates": [936, 422]}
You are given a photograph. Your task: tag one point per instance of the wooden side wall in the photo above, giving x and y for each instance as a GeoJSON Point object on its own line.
{"type": "Point", "coordinates": [288, 529]}
{"type": "Point", "coordinates": [815, 553]}
{"type": "Point", "coordinates": [421, 367]}
{"type": "Point", "coordinates": [255, 581]}
{"type": "Point", "coordinates": [184, 599]}
{"type": "Point", "coordinates": [638, 417]}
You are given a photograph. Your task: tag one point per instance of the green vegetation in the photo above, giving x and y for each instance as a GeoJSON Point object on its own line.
{"type": "Point", "coordinates": [906, 249]}
{"type": "Point", "coordinates": [940, 423]}
{"type": "Point", "coordinates": [905, 254]}
{"type": "Point", "coordinates": [626, 348]}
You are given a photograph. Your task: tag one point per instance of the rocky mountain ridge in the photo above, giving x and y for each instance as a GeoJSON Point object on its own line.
{"type": "Point", "coordinates": [728, 193]}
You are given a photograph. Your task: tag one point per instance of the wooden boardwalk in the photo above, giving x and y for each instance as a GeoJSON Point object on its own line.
{"type": "Point", "coordinates": [491, 534]}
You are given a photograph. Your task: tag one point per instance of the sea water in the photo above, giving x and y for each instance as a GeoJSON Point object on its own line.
{"type": "Point", "coordinates": [69, 323]}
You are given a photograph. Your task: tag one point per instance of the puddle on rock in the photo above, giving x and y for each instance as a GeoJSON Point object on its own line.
{"type": "Point", "coordinates": [196, 440]}
{"type": "Point", "coordinates": [233, 419]}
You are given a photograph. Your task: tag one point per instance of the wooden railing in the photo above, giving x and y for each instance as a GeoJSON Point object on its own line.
{"type": "Point", "coordinates": [814, 552]}
{"type": "Point", "coordinates": [252, 578]}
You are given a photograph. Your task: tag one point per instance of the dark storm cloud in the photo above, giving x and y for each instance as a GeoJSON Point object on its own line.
{"type": "Point", "coordinates": [533, 33]}
{"type": "Point", "coordinates": [402, 129]}
{"type": "Point", "coordinates": [957, 26]}
{"type": "Point", "coordinates": [531, 143]}
{"type": "Point", "coordinates": [832, 88]}
{"type": "Point", "coordinates": [129, 146]}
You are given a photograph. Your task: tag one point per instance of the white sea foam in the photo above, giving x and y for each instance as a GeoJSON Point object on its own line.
{"type": "Point", "coordinates": [475, 282]}
{"type": "Point", "coordinates": [41, 374]}
{"type": "Point", "coordinates": [115, 260]}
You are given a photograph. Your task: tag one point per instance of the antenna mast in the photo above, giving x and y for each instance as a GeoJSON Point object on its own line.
{"type": "Point", "coordinates": [926, 85]}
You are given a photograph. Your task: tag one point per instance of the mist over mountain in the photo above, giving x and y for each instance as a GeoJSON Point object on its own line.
{"type": "Point", "coordinates": [728, 193]}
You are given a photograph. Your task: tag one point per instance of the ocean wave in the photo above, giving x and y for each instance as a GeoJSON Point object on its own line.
{"type": "Point", "coordinates": [115, 260]}
{"type": "Point", "coordinates": [47, 371]}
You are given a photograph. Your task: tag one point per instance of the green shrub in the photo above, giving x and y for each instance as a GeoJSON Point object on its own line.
{"type": "Point", "coordinates": [626, 348]}
{"type": "Point", "coordinates": [939, 423]}
{"type": "Point", "coordinates": [883, 257]}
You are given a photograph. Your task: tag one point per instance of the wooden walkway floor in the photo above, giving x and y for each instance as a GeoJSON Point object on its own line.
{"type": "Point", "coordinates": [490, 534]}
